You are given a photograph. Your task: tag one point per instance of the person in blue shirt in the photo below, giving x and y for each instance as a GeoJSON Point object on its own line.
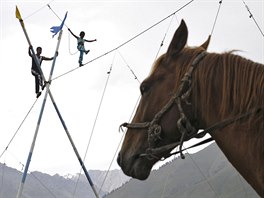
{"type": "Point", "coordinates": [80, 45]}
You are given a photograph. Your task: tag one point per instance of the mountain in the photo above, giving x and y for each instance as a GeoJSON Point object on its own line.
{"type": "Point", "coordinates": [205, 174]}
{"type": "Point", "coordinates": [41, 185]}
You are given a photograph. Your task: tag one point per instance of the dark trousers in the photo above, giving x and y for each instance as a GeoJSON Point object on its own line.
{"type": "Point", "coordinates": [38, 80]}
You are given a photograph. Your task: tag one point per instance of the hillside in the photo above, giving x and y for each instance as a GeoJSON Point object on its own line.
{"type": "Point", "coordinates": [41, 185]}
{"type": "Point", "coordinates": [205, 174]}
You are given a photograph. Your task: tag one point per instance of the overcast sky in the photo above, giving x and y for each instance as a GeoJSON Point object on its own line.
{"type": "Point", "coordinates": [78, 93]}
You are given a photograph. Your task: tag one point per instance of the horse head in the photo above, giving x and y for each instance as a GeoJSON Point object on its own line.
{"type": "Point", "coordinates": [164, 109]}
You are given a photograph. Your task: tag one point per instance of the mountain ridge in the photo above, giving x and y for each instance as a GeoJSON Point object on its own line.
{"type": "Point", "coordinates": [205, 174]}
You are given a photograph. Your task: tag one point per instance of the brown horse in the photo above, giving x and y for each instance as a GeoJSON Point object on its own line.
{"type": "Point", "coordinates": [188, 90]}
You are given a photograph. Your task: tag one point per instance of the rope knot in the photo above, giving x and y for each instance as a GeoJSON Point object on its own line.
{"type": "Point", "coordinates": [154, 133]}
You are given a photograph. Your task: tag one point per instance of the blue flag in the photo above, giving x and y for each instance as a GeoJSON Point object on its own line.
{"type": "Point", "coordinates": [56, 29]}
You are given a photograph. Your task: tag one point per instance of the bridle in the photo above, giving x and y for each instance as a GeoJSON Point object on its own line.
{"type": "Point", "coordinates": [184, 125]}
{"type": "Point", "coordinates": [187, 130]}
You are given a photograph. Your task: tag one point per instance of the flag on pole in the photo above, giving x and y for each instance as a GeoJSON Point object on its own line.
{"type": "Point", "coordinates": [18, 16]}
{"type": "Point", "coordinates": [56, 29]}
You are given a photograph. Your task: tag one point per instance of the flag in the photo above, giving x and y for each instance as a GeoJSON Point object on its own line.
{"type": "Point", "coordinates": [56, 29]}
{"type": "Point", "coordinates": [18, 16]}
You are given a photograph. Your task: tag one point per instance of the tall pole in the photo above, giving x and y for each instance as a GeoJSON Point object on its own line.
{"type": "Point", "coordinates": [74, 147]}
{"type": "Point", "coordinates": [20, 190]}
{"type": "Point", "coordinates": [41, 113]}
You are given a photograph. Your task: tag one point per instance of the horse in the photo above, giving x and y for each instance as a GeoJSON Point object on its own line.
{"type": "Point", "coordinates": [190, 90]}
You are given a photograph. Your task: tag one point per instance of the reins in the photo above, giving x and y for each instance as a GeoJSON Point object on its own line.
{"type": "Point", "coordinates": [216, 126]}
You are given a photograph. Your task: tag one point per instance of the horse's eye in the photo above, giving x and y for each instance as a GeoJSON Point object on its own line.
{"type": "Point", "coordinates": [143, 88]}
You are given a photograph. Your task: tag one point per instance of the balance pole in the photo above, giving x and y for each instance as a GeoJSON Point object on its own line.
{"type": "Point", "coordinates": [20, 190]}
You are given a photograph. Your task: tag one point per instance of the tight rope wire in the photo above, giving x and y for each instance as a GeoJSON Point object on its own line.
{"type": "Point", "coordinates": [96, 118]}
{"type": "Point", "coordinates": [219, 7]}
{"type": "Point", "coordinates": [251, 16]}
{"type": "Point", "coordinates": [126, 42]}
{"type": "Point", "coordinates": [18, 128]}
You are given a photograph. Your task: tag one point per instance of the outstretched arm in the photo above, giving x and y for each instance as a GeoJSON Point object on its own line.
{"type": "Point", "coordinates": [90, 40]}
{"type": "Point", "coordinates": [72, 33]}
{"type": "Point", "coordinates": [46, 58]}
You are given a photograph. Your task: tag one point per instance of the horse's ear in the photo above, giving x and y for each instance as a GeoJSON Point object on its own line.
{"type": "Point", "coordinates": [179, 39]}
{"type": "Point", "coordinates": [206, 43]}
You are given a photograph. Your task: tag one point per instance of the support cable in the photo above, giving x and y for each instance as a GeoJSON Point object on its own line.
{"type": "Point", "coordinates": [251, 16]}
{"type": "Point", "coordinates": [134, 106]}
{"type": "Point", "coordinates": [56, 14]}
{"type": "Point", "coordinates": [20, 164]}
{"type": "Point", "coordinates": [96, 118]}
{"type": "Point", "coordinates": [35, 12]}
{"type": "Point", "coordinates": [117, 149]}
{"type": "Point", "coordinates": [2, 180]}
{"type": "Point", "coordinates": [133, 73]}
{"type": "Point", "coordinates": [203, 175]}
{"type": "Point", "coordinates": [126, 42]}
{"type": "Point", "coordinates": [120, 142]}
{"type": "Point", "coordinates": [167, 178]}
{"type": "Point", "coordinates": [43, 185]}
{"type": "Point", "coordinates": [219, 7]}
{"type": "Point", "coordinates": [18, 128]}
{"type": "Point", "coordinates": [40, 182]}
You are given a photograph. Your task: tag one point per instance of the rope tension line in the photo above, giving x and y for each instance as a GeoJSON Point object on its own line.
{"type": "Point", "coordinates": [251, 16]}
{"type": "Point", "coordinates": [126, 42]}
{"type": "Point", "coordinates": [219, 7]}
{"type": "Point", "coordinates": [18, 128]}
{"type": "Point", "coordinates": [19, 194]}
{"type": "Point", "coordinates": [95, 120]}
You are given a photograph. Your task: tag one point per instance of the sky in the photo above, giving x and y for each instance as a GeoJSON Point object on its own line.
{"type": "Point", "coordinates": [78, 93]}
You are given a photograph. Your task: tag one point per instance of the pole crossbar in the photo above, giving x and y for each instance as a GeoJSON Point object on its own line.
{"type": "Point", "coordinates": [48, 92]}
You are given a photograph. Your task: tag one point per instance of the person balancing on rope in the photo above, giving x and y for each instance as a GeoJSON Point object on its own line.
{"type": "Point", "coordinates": [80, 45]}
{"type": "Point", "coordinates": [35, 69]}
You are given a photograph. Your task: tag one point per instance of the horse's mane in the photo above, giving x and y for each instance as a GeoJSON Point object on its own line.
{"type": "Point", "coordinates": [238, 83]}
